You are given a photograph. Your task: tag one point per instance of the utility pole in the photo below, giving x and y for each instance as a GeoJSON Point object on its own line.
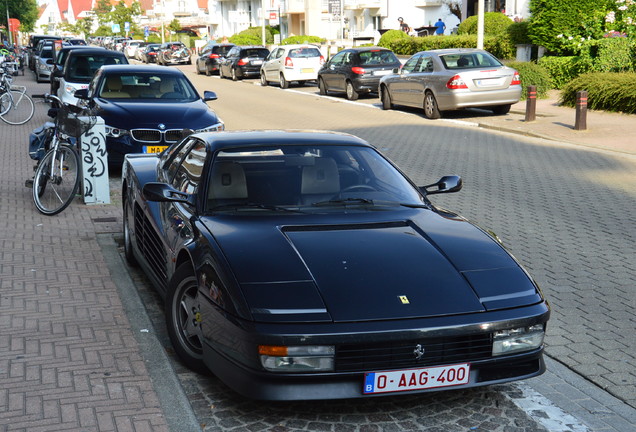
{"type": "Point", "coordinates": [480, 24]}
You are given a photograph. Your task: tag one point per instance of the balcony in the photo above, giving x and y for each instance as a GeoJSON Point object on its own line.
{"type": "Point", "coordinates": [364, 4]}
{"type": "Point", "coordinates": [427, 3]}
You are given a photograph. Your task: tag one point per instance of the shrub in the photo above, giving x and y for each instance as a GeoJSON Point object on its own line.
{"type": "Point", "coordinates": [495, 23]}
{"type": "Point", "coordinates": [612, 54]}
{"type": "Point", "coordinates": [392, 36]}
{"type": "Point", "coordinates": [303, 40]}
{"type": "Point", "coordinates": [533, 74]}
{"type": "Point", "coordinates": [497, 46]}
{"type": "Point", "coordinates": [245, 39]}
{"type": "Point", "coordinates": [518, 33]}
{"type": "Point", "coordinates": [562, 70]}
{"type": "Point", "coordinates": [607, 91]}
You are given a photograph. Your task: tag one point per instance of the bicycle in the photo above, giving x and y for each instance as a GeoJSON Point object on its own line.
{"type": "Point", "coordinates": [16, 107]}
{"type": "Point", "coordinates": [57, 174]}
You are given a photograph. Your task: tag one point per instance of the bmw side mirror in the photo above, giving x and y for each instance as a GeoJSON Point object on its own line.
{"type": "Point", "coordinates": [162, 192]}
{"type": "Point", "coordinates": [209, 96]}
{"type": "Point", "coordinates": [446, 184]}
{"type": "Point", "coordinates": [81, 94]}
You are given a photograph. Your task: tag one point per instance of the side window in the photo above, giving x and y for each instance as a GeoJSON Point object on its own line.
{"type": "Point", "coordinates": [173, 160]}
{"type": "Point", "coordinates": [279, 52]}
{"type": "Point", "coordinates": [426, 65]}
{"type": "Point", "coordinates": [411, 63]}
{"type": "Point", "coordinates": [188, 175]}
{"type": "Point", "coordinates": [338, 59]}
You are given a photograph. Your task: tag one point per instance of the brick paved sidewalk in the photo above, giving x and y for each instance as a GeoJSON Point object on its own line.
{"type": "Point", "coordinates": [69, 359]}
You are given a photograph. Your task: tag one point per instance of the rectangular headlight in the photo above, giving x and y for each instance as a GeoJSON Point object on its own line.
{"type": "Point", "coordinates": [518, 340]}
{"type": "Point", "coordinates": [220, 126]}
{"type": "Point", "coordinates": [312, 358]}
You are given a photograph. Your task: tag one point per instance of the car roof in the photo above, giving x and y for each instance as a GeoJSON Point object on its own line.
{"type": "Point", "coordinates": [135, 68]}
{"type": "Point", "coordinates": [454, 50]}
{"type": "Point", "coordinates": [96, 50]}
{"type": "Point", "coordinates": [258, 138]}
{"type": "Point", "coordinates": [369, 48]}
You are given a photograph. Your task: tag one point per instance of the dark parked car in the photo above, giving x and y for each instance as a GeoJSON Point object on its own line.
{"type": "Point", "coordinates": [304, 265]}
{"type": "Point", "coordinates": [449, 79]}
{"type": "Point", "coordinates": [211, 56]}
{"type": "Point", "coordinates": [34, 40]}
{"type": "Point", "coordinates": [149, 53]}
{"type": "Point", "coordinates": [355, 71]}
{"type": "Point", "coordinates": [173, 53]}
{"type": "Point", "coordinates": [146, 108]}
{"type": "Point", "coordinates": [79, 68]}
{"type": "Point", "coordinates": [243, 61]}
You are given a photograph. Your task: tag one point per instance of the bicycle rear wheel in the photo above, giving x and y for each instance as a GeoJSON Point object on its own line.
{"type": "Point", "coordinates": [56, 180]}
{"type": "Point", "coordinates": [20, 110]}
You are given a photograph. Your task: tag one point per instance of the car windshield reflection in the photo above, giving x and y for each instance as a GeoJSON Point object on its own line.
{"type": "Point", "coordinates": [306, 178]}
{"type": "Point", "coordinates": [148, 86]}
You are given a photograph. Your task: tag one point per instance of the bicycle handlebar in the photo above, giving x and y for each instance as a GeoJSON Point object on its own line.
{"type": "Point", "coordinates": [47, 97]}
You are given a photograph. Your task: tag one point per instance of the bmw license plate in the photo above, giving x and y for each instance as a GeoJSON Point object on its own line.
{"type": "Point", "coordinates": [154, 149]}
{"type": "Point", "coordinates": [416, 379]}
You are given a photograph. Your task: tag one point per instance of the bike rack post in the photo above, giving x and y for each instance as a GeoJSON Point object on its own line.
{"type": "Point", "coordinates": [95, 184]}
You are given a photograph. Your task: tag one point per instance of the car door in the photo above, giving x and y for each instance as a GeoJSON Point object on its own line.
{"type": "Point", "coordinates": [332, 70]}
{"type": "Point", "coordinates": [203, 56]}
{"type": "Point", "coordinates": [226, 65]}
{"type": "Point", "coordinates": [176, 218]}
{"type": "Point", "coordinates": [419, 80]}
{"type": "Point", "coordinates": [398, 84]}
{"type": "Point", "coordinates": [272, 64]}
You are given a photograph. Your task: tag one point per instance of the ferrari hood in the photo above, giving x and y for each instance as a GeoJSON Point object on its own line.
{"type": "Point", "coordinates": [368, 271]}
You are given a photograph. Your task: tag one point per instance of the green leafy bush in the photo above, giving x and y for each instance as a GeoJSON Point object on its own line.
{"type": "Point", "coordinates": [518, 33]}
{"type": "Point", "coordinates": [497, 46]}
{"type": "Point", "coordinates": [611, 54]}
{"type": "Point", "coordinates": [392, 36]}
{"type": "Point", "coordinates": [292, 40]}
{"type": "Point", "coordinates": [245, 39]}
{"type": "Point", "coordinates": [533, 74]}
{"type": "Point", "coordinates": [495, 23]}
{"type": "Point", "coordinates": [562, 70]}
{"type": "Point", "coordinates": [607, 91]}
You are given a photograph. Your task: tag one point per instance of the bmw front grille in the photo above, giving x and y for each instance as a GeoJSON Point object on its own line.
{"type": "Point", "coordinates": [156, 135]}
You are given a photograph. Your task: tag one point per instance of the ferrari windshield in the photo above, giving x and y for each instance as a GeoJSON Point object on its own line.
{"type": "Point", "coordinates": [306, 176]}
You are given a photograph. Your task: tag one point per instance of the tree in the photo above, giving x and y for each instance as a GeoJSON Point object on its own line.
{"type": "Point", "coordinates": [174, 25]}
{"type": "Point", "coordinates": [26, 11]}
{"type": "Point", "coordinates": [454, 7]}
{"type": "Point", "coordinates": [102, 10]}
{"type": "Point", "coordinates": [122, 14]}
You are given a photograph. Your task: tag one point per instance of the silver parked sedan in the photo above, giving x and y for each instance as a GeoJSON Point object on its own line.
{"type": "Point", "coordinates": [450, 79]}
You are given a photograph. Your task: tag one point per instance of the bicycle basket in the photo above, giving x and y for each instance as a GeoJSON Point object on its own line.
{"type": "Point", "coordinates": [69, 123]}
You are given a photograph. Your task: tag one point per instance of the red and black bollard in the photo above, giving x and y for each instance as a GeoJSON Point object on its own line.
{"type": "Point", "coordinates": [581, 111]}
{"type": "Point", "coordinates": [531, 103]}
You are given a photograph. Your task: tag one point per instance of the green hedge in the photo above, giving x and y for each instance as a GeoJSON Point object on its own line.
{"type": "Point", "coordinates": [500, 47]}
{"type": "Point", "coordinates": [533, 74]}
{"type": "Point", "coordinates": [495, 23]}
{"type": "Point", "coordinates": [606, 91]}
{"type": "Point", "coordinates": [292, 40]}
{"type": "Point", "coordinates": [563, 69]}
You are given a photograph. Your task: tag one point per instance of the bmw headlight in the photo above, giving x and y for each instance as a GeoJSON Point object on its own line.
{"type": "Point", "coordinates": [518, 340]}
{"type": "Point", "coordinates": [115, 132]}
{"type": "Point", "coordinates": [217, 127]}
{"type": "Point", "coordinates": [314, 358]}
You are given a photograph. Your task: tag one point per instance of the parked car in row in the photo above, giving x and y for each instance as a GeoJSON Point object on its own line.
{"type": "Point", "coordinates": [131, 47]}
{"type": "Point", "coordinates": [356, 71]}
{"type": "Point", "coordinates": [450, 79]}
{"type": "Point", "coordinates": [243, 61]}
{"type": "Point", "coordinates": [305, 265]}
{"type": "Point", "coordinates": [148, 54]}
{"type": "Point", "coordinates": [289, 63]}
{"type": "Point", "coordinates": [173, 53]}
{"type": "Point", "coordinates": [43, 61]}
{"type": "Point", "coordinates": [146, 108]}
{"type": "Point", "coordinates": [211, 56]}
{"type": "Point", "coordinates": [58, 65]}
{"type": "Point", "coordinates": [79, 68]}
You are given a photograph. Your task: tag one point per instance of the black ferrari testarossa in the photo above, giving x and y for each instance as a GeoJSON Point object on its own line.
{"type": "Point", "coordinates": [305, 265]}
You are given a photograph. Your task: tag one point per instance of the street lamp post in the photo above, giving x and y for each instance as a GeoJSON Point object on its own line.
{"type": "Point", "coordinates": [8, 23]}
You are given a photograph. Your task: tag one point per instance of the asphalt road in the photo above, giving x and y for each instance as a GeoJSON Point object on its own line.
{"type": "Point", "coordinates": [566, 212]}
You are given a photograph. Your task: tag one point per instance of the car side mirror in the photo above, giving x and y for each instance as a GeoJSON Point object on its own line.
{"type": "Point", "coordinates": [162, 192]}
{"type": "Point", "coordinates": [49, 61]}
{"type": "Point", "coordinates": [209, 96]}
{"type": "Point", "coordinates": [446, 184]}
{"type": "Point", "coordinates": [81, 94]}
{"type": "Point", "coordinates": [57, 73]}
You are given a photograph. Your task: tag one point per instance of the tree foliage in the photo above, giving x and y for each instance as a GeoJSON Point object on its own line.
{"type": "Point", "coordinates": [121, 14]}
{"type": "Point", "coordinates": [495, 23]}
{"type": "Point", "coordinates": [26, 11]}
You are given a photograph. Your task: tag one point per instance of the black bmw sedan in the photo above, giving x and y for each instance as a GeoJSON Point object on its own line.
{"type": "Point", "coordinates": [305, 265]}
{"type": "Point", "coordinates": [146, 108]}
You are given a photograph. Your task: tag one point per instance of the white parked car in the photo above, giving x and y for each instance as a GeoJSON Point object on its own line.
{"type": "Point", "coordinates": [289, 63]}
{"type": "Point", "coordinates": [131, 48]}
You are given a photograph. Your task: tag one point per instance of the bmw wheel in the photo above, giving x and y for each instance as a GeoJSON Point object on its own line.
{"type": "Point", "coordinates": [430, 106]}
{"type": "Point", "coordinates": [183, 317]}
{"type": "Point", "coordinates": [352, 94]}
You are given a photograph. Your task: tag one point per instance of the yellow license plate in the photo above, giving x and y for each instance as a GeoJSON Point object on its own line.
{"type": "Point", "coordinates": [154, 149]}
{"type": "Point", "coordinates": [307, 70]}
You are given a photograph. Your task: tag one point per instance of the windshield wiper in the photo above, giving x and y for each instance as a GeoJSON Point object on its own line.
{"type": "Point", "coordinates": [238, 206]}
{"type": "Point", "coordinates": [342, 202]}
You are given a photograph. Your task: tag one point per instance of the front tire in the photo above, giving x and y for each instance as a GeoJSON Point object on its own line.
{"type": "Point", "coordinates": [264, 82]}
{"type": "Point", "coordinates": [431, 111]}
{"type": "Point", "coordinates": [128, 247]}
{"type": "Point", "coordinates": [56, 180]}
{"type": "Point", "coordinates": [322, 89]}
{"type": "Point", "coordinates": [183, 318]}
{"type": "Point", "coordinates": [352, 94]}
{"type": "Point", "coordinates": [386, 99]}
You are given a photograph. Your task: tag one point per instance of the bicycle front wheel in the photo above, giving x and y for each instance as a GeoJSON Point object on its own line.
{"type": "Point", "coordinates": [20, 110]}
{"type": "Point", "coordinates": [5, 102]}
{"type": "Point", "coordinates": [56, 180]}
